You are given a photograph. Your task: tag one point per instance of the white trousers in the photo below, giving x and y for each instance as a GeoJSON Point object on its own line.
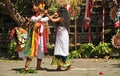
{"type": "Point", "coordinates": [40, 48]}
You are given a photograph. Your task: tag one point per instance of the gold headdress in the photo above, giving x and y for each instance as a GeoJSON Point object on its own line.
{"type": "Point", "coordinates": [41, 6]}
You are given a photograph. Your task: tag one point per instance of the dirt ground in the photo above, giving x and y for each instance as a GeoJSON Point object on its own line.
{"type": "Point", "coordinates": [82, 67]}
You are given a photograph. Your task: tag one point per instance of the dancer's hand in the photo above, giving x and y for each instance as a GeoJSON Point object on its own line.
{"type": "Point", "coordinates": [46, 12]}
{"type": "Point", "coordinates": [55, 14]}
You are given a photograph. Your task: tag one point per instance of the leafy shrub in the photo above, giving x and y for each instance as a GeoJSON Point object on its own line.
{"type": "Point", "coordinates": [12, 54]}
{"type": "Point", "coordinates": [86, 49]}
{"type": "Point", "coordinates": [103, 49]}
{"type": "Point", "coordinates": [74, 54]}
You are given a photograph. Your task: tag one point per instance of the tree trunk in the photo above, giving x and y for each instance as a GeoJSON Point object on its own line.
{"type": "Point", "coordinates": [14, 13]}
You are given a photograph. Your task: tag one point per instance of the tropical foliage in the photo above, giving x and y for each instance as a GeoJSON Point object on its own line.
{"type": "Point", "coordinates": [103, 49]}
{"type": "Point", "coordinates": [88, 50]}
{"type": "Point", "coordinates": [12, 53]}
{"type": "Point", "coordinates": [74, 54]}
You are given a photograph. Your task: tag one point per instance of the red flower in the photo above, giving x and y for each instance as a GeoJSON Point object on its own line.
{"type": "Point", "coordinates": [101, 73]}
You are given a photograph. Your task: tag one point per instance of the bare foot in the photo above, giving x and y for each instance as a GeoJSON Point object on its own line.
{"type": "Point", "coordinates": [58, 68]}
{"type": "Point", "coordinates": [69, 67]}
{"type": "Point", "coordinates": [26, 68]}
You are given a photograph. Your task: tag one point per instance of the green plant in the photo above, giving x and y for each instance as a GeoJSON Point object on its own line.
{"type": "Point", "coordinates": [30, 71]}
{"type": "Point", "coordinates": [86, 49]}
{"type": "Point", "coordinates": [50, 49]}
{"type": "Point", "coordinates": [51, 46]}
{"type": "Point", "coordinates": [103, 49]}
{"type": "Point", "coordinates": [52, 9]}
{"type": "Point", "coordinates": [74, 54]}
{"type": "Point", "coordinates": [12, 49]}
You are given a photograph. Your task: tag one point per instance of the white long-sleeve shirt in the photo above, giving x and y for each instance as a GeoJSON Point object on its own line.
{"type": "Point", "coordinates": [39, 18]}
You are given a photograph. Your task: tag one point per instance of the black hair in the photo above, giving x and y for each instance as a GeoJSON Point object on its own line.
{"type": "Point", "coordinates": [64, 14]}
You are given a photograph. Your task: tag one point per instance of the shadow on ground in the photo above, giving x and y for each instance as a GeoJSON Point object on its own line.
{"type": "Point", "coordinates": [116, 65]}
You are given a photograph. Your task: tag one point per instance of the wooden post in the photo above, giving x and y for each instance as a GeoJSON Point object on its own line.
{"type": "Point", "coordinates": [89, 34]}
{"type": "Point", "coordinates": [103, 20]}
{"type": "Point", "coordinates": [75, 34]}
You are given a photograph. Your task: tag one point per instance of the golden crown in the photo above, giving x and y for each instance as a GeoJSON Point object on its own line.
{"type": "Point", "coordinates": [41, 6]}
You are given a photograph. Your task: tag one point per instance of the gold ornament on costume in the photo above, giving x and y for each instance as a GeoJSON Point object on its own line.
{"type": "Point", "coordinates": [41, 6]}
{"type": "Point", "coordinates": [74, 9]}
{"type": "Point", "coordinates": [116, 40]}
{"type": "Point", "coordinates": [113, 11]}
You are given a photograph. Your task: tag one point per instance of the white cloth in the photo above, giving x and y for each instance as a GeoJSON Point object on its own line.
{"type": "Point", "coordinates": [62, 42]}
{"type": "Point", "coordinates": [41, 44]}
{"type": "Point", "coordinates": [21, 54]}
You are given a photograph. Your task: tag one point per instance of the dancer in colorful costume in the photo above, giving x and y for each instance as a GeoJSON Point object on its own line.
{"type": "Point", "coordinates": [19, 35]}
{"type": "Point", "coordinates": [36, 41]}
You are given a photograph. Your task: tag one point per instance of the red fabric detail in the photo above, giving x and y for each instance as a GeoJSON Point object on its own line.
{"type": "Point", "coordinates": [45, 42]}
{"type": "Point", "coordinates": [87, 13]}
{"type": "Point", "coordinates": [44, 38]}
